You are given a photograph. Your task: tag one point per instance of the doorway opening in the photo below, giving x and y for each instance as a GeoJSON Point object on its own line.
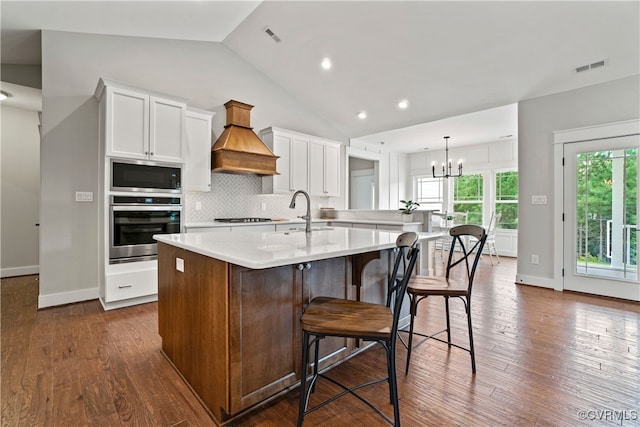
{"type": "Point", "coordinates": [362, 184]}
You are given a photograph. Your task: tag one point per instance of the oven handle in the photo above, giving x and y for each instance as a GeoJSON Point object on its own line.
{"type": "Point", "coordinates": [147, 208]}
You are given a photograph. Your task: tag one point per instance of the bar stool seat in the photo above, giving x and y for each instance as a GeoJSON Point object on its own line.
{"type": "Point", "coordinates": [347, 318]}
{"type": "Point", "coordinates": [437, 286]}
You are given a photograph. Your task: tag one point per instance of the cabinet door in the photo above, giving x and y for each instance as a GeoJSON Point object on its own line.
{"type": "Point", "coordinates": [282, 147]}
{"type": "Point", "coordinates": [324, 168]}
{"type": "Point", "coordinates": [264, 351]}
{"type": "Point", "coordinates": [316, 168]}
{"type": "Point", "coordinates": [166, 136]}
{"type": "Point", "coordinates": [299, 171]}
{"type": "Point", "coordinates": [127, 124]}
{"type": "Point", "coordinates": [332, 170]}
{"type": "Point", "coordinates": [197, 163]}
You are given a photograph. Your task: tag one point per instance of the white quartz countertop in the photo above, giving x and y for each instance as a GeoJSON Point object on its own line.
{"type": "Point", "coordinates": [298, 221]}
{"type": "Point", "coordinates": [257, 250]}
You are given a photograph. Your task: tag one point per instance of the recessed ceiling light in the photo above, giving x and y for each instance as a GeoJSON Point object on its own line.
{"type": "Point", "coordinates": [403, 104]}
{"type": "Point", "coordinates": [362, 115]}
{"type": "Point", "coordinates": [326, 63]}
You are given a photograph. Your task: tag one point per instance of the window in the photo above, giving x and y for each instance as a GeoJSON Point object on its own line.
{"type": "Point", "coordinates": [507, 199]}
{"type": "Point", "coordinates": [474, 194]}
{"type": "Point", "coordinates": [428, 192]}
{"type": "Point", "coordinates": [468, 197]}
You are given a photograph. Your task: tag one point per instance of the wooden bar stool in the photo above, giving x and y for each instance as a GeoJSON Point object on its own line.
{"type": "Point", "coordinates": [421, 287]}
{"type": "Point", "coordinates": [335, 317]}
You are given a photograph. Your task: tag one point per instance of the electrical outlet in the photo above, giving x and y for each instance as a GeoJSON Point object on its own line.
{"type": "Point", "coordinates": [263, 206]}
{"type": "Point", "coordinates": [198, 206]}
{"type": "Point", "coordinates": [180, 264]}
{"type": "Point", "coordinates": [84, 196]}
{"type": "Point", "coordinates": [535, 259]}
{"type": "Point", "coordinates": [539, 200]}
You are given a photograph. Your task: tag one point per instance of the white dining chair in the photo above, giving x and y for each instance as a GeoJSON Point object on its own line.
{"type": "Point", "coordinates": [491, 236]}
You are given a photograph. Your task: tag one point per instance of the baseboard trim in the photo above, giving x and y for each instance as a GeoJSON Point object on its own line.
{"type": "Point", "coordinates": [19, 271]}
{"type": "Point", "coordinates": [128, 302]}
{"type": "Point", "coordinates": [69, 297]}
{"type": "Point", "coordinates": [542, 282]}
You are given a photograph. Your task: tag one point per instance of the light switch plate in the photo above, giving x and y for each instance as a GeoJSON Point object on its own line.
{"type": "Point", "coordinates": [180, 264]}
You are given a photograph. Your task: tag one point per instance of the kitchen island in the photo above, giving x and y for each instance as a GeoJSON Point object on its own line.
{"type": "Point", "coordinates": [229, 305]}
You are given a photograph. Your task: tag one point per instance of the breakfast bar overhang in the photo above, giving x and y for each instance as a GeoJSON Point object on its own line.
{"type": "Point", "coordinates": [229, 305]}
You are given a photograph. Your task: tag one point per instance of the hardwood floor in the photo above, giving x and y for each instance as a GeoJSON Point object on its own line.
{"type": "Point", "coordinates": [543, 357]}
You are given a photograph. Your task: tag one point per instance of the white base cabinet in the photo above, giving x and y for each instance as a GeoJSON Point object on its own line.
{"type": "Point", "coordinates": [129, 283]}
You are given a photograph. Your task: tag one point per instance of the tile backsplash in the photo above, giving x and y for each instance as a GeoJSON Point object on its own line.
{"type": "Point", "coordinates": [241, 196]}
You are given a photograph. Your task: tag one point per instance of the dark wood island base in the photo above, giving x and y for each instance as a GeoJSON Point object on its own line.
{"type": "Point", "coordinates": [233, 332]}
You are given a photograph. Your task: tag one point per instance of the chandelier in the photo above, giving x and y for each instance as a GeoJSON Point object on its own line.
{"type": "Point", "coordinates": [446, 166]}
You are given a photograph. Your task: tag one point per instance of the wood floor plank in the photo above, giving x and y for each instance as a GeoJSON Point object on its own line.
{"type": "Point", "coordinates": [542, 357]}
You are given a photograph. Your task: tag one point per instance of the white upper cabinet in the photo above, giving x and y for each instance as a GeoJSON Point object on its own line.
{"type": "Point", "coordinates": [306, 163]}
{"type": "Point", "coordinates": [197, 162]}
{"type": "Point", "coordinates": [292, 163]}
{"type": "Point", "coordinates": [141, 125]}
{"type": "Point", "coordinates": [324, 168]}
{"type": "Point", "coordinates": [167, 133]}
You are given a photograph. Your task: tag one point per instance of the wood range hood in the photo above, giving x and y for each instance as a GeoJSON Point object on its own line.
{"type": "Point", "coordinates": [239, 150]}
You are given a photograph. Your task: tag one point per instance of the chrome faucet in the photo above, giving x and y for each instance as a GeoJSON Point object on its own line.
{"type": "Point", "coordinates": [306, 217]}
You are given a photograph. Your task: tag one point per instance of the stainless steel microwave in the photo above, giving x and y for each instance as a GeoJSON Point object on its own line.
{"type": "Point", "coordinates": [144, 176]}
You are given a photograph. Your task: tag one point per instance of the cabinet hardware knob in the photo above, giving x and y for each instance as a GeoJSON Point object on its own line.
{"type": "Point", "coordinates": [300, 267]}
{"type": "Point", "coordinates": [125, 286]}
{"type": "Point", "coordinates": [308, 266]}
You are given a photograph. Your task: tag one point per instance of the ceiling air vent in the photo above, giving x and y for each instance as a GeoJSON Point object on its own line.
{"type": "Point", "coordinates": [591, 66]}
{"type": "Point", "coordinates": [272, 35]}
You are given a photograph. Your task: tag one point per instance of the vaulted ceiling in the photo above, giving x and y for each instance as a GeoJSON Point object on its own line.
{"type": "Point", "coordinates": [446, 58]}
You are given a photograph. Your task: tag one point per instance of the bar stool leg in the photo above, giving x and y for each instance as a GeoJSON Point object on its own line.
{"type": "Point", "coordinates": [446, 305]}
{"type": "Point", "coordinates": [303, 380]}
{"type": "Point", "coordinates": [471, 349]}
{"type": "Point", "coordinates": [412, 312]}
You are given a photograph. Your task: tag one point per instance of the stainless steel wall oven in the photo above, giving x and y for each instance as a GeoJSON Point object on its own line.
{"type": "Point", "coordinates": [133, 222]}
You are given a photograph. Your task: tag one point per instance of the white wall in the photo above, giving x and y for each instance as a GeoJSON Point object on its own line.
{"type": "Point", "coordinates": [537, 119]}
{"type": "Point", "coordinates": [208, 74]}
{"type": "Point", "coordinates": [20, 191]}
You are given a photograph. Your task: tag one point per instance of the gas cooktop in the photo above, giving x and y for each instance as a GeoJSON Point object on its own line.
{"type": "Point", "coordinates": [243, 219]}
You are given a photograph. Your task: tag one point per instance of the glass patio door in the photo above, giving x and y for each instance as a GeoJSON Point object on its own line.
{"type": "Point", "coordinates": [601, 222]}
